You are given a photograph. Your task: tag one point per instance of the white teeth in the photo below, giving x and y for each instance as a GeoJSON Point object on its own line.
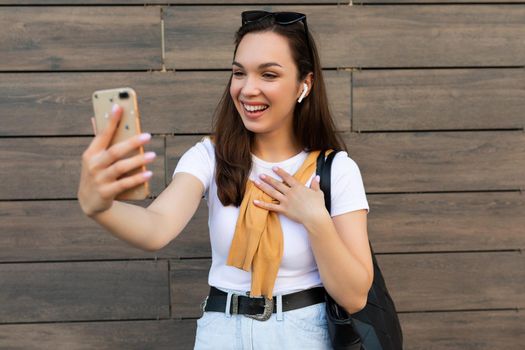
{"type": "Point", "coordinates": [255, 108]}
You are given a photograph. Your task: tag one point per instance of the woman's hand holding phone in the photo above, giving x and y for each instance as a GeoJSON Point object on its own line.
{"type": "Point", "coordinates": [102, 167]}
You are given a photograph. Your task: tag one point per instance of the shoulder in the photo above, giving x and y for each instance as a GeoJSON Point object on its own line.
{"type": "Point", "coordinates": [344, 164]}
{"type": "Point", "coordinates": [203, 149]}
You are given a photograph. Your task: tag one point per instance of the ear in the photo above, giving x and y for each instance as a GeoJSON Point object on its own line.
{"type": "Point", "coordinates": [308, 81]}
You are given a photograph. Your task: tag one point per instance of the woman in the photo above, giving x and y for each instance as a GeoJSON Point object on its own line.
{"type": "Point", "coordinates": [273, 242]}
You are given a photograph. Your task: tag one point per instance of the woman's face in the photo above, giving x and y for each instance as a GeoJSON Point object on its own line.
{"type": "Point", "coordinates": [264, 84]}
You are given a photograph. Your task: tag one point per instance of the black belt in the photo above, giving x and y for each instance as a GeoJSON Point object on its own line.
{"type": "Point", "coordinates": [261, 308]}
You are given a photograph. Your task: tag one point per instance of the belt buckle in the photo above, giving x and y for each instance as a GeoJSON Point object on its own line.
{"type": "Point", "coordinates": [267, 313]}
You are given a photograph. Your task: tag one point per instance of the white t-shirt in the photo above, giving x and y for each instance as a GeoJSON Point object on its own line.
{"type": "Point", "coordinates": [298, 268]}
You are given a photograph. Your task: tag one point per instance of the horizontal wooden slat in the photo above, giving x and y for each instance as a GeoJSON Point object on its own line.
{"type": "Point", "coordinates": [37, 168]}
{"type": "Point", "coordinates": [78, 291]}
{"type": "Point", "coordinates": [188, 286]}
{"type": "Point", "coordinates": [115, 335]}
{"type": "Point", "coordinates": [58, 230]}
{"type": "Point", "coordinates": [424, 222]}
{"type": "Point", "coordinates": [397, 223]}
{"type": "Point", "coordinates": [445, 161]}
{"type": "Point", "coordinates": [166, 100]}
{"type": "Point", "coordinates": [455, 281]}
{"type": "Point", "coordinates": [437, 99]}
{"type": "Point", "coordinates": [363, 36]}
{"type": "Point", "coordinates": [80, 38]}
{"type": "Point", "coordinates": [417, 282]}
{"type": "Point", "coordinates": [424, 161]}
{"type": "Point", "coordinates": [479, 330]}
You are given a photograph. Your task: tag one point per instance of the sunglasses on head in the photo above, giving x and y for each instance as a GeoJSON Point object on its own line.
{"type": "Point", "coordinates": [282, 18]}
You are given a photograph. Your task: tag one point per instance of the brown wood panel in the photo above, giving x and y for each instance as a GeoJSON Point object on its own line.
{"type": "Point", "coordinates": [363, 36]}
{"type": "Point", "coordinates": [49, 168]}
{"type": "Point", "coordinates": [476, 330]}
{"type": "Point", "coordinates": [438, 99]}
{"type": "Point", "coordinates": [479, 330]}
{"type": "Point", "coordinates": [58, 231]}
{"type": "Point", "coordinates": [399, 223]}
{"type": "Point", "coordinates": [114, 335]}
{"type": "Point", "coordinates": [80, 38]}
{"type": "Point", "coordinates": [455, 281]}
{"type": "Point", "coordinates": [188, 286]}
{"type": "Point", "coordinates": [166, 100]}
{"type": "Point", "coordinates": [417, 282]}
{"type": "Point", "coordinates": [80, 291]}
{"type": "Point", "coordinates": [424, 222]}
{"type": "Point", "coordinates": [442, 161]}
{"type": "Point", "coordinates": [423, 161]}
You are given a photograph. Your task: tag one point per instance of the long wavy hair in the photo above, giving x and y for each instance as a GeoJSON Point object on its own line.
{"type": "Point", "coordinates": [313, 125]}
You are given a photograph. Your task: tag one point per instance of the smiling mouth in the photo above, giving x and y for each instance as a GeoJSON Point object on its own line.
{"type": "Point", "coordinates": [254, 109]}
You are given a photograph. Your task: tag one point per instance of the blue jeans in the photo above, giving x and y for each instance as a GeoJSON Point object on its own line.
{"type": "Point", "coordinates": [302, 329]}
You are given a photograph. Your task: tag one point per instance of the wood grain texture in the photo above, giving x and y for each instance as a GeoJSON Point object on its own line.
{"type": "Point", "coordinates": [479, 330]}
{"type": "Point", "coordinates": [363, 36]}
{"type": "Point", "coordinates": [166, 100]}
{"type": "Point", "coordinates": [446, 222]}
{"type": "Point", "coordinates": [444, 161]}
{"type": "Point", "coordinates": [423, 161]}
{"type": "Point", "coordinates": [402, 223]}
{"type": "Point", "coordinates": [49, 168]}
{"type": "Point", "coordinates": [429, 131]}
{"type": "Point", "coordinates": [59, 231]}
{"type": "Point", "coordinates": [476, 330]}
{"type": "Point", "coordinates": [438, 99]}
{"type": "Point", "coordinates": [80, 291]}
{"type": "Point", "coordinates": [188, 286]}
{"type": "Point", "coordinates": [80, 38]}
{"type": "Point", "coordinates": [455, 281]}
{"type": "Point", "coordinates": [417, 282]}
{"type": "Point", "coordinates": [114, 335]}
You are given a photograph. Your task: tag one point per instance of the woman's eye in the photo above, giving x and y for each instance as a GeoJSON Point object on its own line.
{"type": "Point", "coordinates": [238, 74]}
{"type": "Point", "coordinates": [270, 76]}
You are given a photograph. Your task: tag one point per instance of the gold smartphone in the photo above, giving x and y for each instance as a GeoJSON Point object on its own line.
{"type": "Point", "coordinates": [129, 125]}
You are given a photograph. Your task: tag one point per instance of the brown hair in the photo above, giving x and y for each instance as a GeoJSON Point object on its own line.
{"type": "Point", "coordinates": [313, 125]}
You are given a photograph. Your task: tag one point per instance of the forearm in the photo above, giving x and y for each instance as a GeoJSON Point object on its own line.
{"type": "Point", "coordinates": [134, 224]}
{"type": "Point", "coordinates": [343, 276]}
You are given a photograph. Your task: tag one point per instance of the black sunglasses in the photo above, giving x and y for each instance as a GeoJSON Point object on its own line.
{"type": "Point", "coordinates": [282, 18]}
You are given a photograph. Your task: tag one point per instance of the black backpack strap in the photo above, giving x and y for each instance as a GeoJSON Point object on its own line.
{"type": "Point", "coordinates": [324, 170]}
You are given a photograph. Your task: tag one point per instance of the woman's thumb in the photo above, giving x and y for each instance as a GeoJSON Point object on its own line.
{"type": "Point", "coordinates": [314, 185]}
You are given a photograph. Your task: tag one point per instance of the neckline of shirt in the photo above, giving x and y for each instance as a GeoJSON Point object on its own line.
{"type": "Point", "coordinates": [282, 163]}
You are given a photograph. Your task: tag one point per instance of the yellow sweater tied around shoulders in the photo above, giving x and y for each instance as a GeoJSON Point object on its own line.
{"type": "Point", "coordinates": [257, 243]}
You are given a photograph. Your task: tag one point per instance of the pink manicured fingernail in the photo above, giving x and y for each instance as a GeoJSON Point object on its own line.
{"type": "Point", "coordinates": [256, 201]}
{"type": "Point", "coordinates": [147, 174]}
{"type": "Point", "coordinates": [114, 109]}
{"type": "Point", "coordinates": [149, 155]}
{"type": "Point", "coordinates": [145, 136]}
{"type": "Point", "coordinates": [262, 176]}
{"type": "Point", "coordinates": [317, 178]}
{"type": "Point", "coordinates": [275, 168]}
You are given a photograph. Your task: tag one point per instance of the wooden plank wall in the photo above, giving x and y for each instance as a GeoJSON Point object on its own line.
{"type": "Point", "coordinates": [429, 95]}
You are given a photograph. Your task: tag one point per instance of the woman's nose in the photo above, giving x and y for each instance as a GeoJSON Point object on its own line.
{"type": "Point", "coordinates": [250, 87]}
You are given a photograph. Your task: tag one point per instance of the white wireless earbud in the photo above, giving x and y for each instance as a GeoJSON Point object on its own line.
{"type": "Point", "coordinates": [303, 94]}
